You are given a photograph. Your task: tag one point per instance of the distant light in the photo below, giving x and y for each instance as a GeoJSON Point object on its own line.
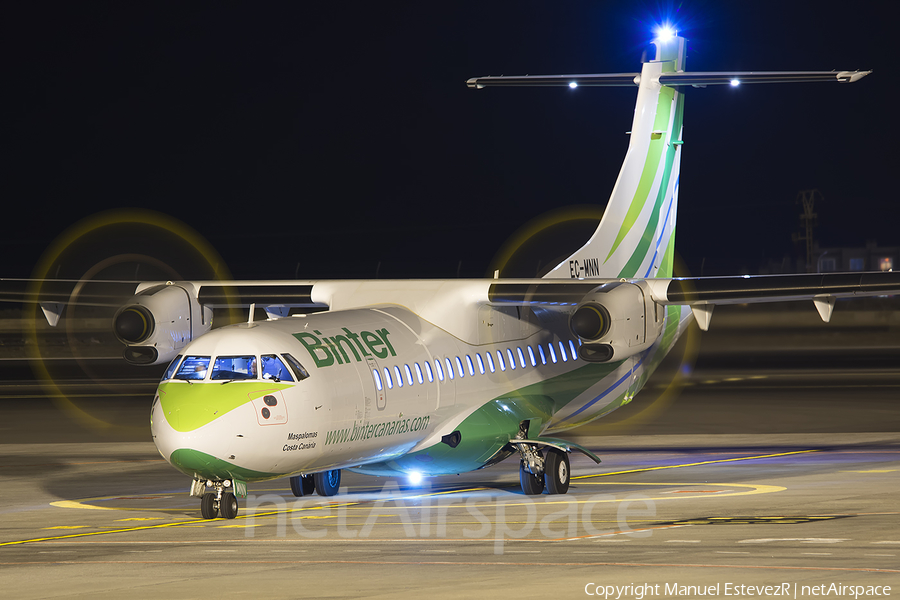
{"type": "Point", "coordinates": [573, 85]}
{"type": "Point", "coordinates": [664, 33]}
{"type": "Point", "coordinates": [735, 82]}
{"type": "Point", "coordinates": [415, 478]}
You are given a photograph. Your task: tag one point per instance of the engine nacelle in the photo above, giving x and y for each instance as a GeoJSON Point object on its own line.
{"type": "Point", "coordinates": [616, 320]}
{"type": "Point", "coordinates": [157, 322]}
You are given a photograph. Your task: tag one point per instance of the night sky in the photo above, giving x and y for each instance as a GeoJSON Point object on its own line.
{"type": "Point", "coordinates": [340, 140]}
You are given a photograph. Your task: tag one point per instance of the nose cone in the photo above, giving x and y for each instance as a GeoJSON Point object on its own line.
{"type": "Point", "coordinates": [207, 430]}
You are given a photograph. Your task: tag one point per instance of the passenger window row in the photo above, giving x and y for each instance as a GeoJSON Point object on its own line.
{"type": "Point", "coordinates": [448, 369]}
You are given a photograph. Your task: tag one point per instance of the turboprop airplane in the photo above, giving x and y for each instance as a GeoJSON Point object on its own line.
{"type": "Point", "coordinates": [435, 377]}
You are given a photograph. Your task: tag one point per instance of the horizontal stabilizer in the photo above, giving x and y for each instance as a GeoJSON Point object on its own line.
{"type": "Point", "coordinates": [698, 79]}
{"type": "Point", "coordinates": [742, 77]}
{"type": "Point", "coordinates": [597, 79]}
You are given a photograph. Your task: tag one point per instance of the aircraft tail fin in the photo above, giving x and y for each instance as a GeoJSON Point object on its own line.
{"type": "Point", "coordinates": [636, 236]}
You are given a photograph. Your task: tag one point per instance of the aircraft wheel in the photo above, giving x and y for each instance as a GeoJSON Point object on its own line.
{"type": "Point", "coordinates": [303, 485]}
{"type": "Point", "coordinates": [229, 505]}
{"type": "Point", "coordinates": [327, 482]}
{"type": "Point", "coordinates": [209, 508]}
{"type": "Point", "coordinates": [556, 471]}
{"type": "Point", "coordinates": [532, 484]}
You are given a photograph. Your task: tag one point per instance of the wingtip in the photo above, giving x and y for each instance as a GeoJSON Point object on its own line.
{"type": "Point", "coordinates": [852, 76]}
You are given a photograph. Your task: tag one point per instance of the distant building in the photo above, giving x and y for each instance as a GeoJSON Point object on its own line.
{"type": "Point", "coordinates": [870, 258]}
{"type": "Point", "coordinates": [839, 260]}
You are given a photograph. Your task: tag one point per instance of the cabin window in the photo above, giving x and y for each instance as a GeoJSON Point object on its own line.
{"type": "Point", "coordinates": [299, 372]}
{"type": "Point", "coordinates": [398, 376]}
{"type": "Point", "coordinates": [387, 379]}
{"type": "Point", "coordinates": [193, 368]}
{"type": "Point", "coordinates": [439, 368]}
{"type": "Point", "coordinates": [562, 351]}
{"type": "Point", "coordinates": [408, 374]}
{"type": "Point", "coordinates": [480, 363]}
{"type": "Point", "coordinates": [512, 359]}
{"type": "Point", "coordinates": [449, 368]}
{"type": "Point", "coordinates": [572, 348]}
{"type": "Point", "coordinates": [171, 368]}
{"type": "Point", "coordinates": [419, 372]}
{"type": "Point", "coordinates": [459, 367]}
{"type": "Point", "coordinates": [490, 361]}
{"type": "Point", "coordinates": [531, 357]}
{"type": "Point", "coordinates": [429, 372]}
{"type": "Point", "coordinates": [521, 357]}
{"type": "Point", "coordinates": [378, 384]}
{"type": "Point", "coordinates": [273, 368]}
{"type": "Point", "coordinates": [552, 352]}
{"type": "Point", "coordinates": [500, 361]}
{"type": "Point", "coordinates": [543, 356]}
{"type": "Point", "coordinates": [470, 365]}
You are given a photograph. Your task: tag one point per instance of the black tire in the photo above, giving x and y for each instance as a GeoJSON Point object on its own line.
{"type": "Point", "coordinates": [327, 482]}
{"type": "Point", "coordinates": [228, 506]}
{"type": "Point", "coordinates": [303, 485]}
{"type": "Point", "coordinates": [556, 471]}
{"type": "Point", "coordinates": [532, 484]}
{"type": "Point", "coordinates": [209, 508]}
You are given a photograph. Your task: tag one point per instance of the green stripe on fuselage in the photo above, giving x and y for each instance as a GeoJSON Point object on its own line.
{"type": "Point", "coordinates": [187, 406]}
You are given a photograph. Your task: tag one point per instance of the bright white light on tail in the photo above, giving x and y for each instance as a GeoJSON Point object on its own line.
{"type": "Point", "coordinates": [735, 82]}
{"type": "Point", "coordinates": [573, 85]}
{"type": "Point", "coordinates": [664, 33]}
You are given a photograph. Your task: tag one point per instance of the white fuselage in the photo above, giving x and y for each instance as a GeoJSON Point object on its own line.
{"type": "Point", "coordinates": [383, 383]}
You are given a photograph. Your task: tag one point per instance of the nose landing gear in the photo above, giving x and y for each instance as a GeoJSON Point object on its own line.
{"type": "Point", "coordinates": [221, 501]}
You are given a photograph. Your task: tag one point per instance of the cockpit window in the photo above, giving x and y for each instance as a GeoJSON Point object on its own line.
{"type": "Point", "coordinates": [296, 367]}
{"type": "Point", "coordinates": [193, 368]}
{"type": "Point", "coordinates": [273, 368]}
{"type": "Point", "coordinates": [234, 367]}
{"type": "Point", "coordinates": [171, 368]}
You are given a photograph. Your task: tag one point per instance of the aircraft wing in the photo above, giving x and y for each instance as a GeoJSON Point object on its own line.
{"type": "Point", "coordinates": [702, 294]}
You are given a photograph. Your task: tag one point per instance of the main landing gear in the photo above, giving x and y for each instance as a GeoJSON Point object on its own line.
{"type": "Point", "coordinates": [325, 483]}
{"type": "Point", "coordinates": [537, 471]}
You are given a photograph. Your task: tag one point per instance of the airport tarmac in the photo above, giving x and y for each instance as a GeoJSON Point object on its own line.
{"type": "Point", "coordinates": [747, 474]}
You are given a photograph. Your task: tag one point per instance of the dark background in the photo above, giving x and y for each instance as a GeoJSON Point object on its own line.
{"type": "Point", "coordinates": [319, 140]}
